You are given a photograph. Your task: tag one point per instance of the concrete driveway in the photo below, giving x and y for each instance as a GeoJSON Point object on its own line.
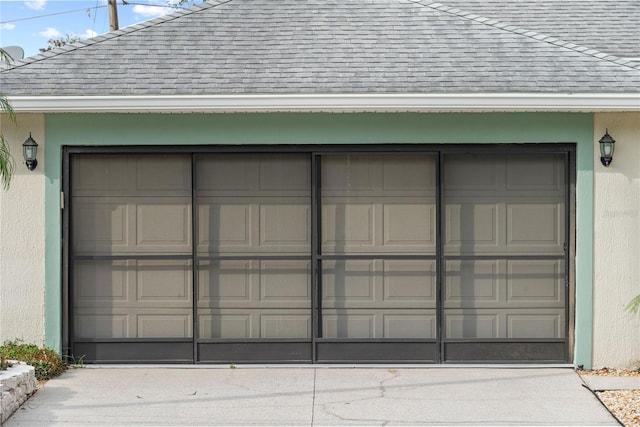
{"type": "Point", "coordinates": [313, 396]}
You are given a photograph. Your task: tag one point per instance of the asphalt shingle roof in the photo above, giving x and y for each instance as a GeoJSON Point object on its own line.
{"type": "Point", "coordinates": [608, 26]}
{"type": "Point", "coordinates": [328, 46]}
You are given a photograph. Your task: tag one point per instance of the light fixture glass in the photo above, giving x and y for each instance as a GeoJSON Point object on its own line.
{"type": "Point", "coordinates": [606, 148]}
{"type": "Point", "coordinates": [30, 152]}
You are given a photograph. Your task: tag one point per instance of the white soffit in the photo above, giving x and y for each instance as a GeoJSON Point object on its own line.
{"type": "Point", "coordinates": [332, 103]}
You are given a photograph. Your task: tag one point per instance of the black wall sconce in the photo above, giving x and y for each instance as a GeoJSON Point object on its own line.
{"type": "Point", "coordinates": [606, 148]}
{"type": "Point", "coordinates": [30, 151]}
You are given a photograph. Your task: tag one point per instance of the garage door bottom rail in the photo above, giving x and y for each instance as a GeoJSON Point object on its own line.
{"type": "Point", "coordinates": [511, 351]}
{"type": "Point", "coordinates": [326, 351]}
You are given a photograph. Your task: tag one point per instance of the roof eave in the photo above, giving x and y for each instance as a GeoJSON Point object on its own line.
{"type": "Point", "coordinates": [465, 102]}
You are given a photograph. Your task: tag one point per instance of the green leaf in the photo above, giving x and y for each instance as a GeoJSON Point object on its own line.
{"type": "Point", "coordinates": [634, 305]}
{"type": "Point", "coordinates": [5, 57]}
{"type": "Point", "coordinates": [6, 163]}
{"type": "Point", "coordinates": [6, 160]}
{"type": "Point", "coordinates": [6, 108]}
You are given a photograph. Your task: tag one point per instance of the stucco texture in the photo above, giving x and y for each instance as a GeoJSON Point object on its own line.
{"type": "Point", "coordinates": [616, 338]}
{"type": "Point", "coordinates": [21, 237]}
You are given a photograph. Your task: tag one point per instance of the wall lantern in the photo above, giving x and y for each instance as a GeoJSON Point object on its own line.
{"type": "Point", "coordinates": [30, 151]}
{"type": "Point", "coordinates": [606, 148]}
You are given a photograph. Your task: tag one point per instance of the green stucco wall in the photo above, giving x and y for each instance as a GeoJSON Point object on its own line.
{"type": "Point", "coordinates": [324, 128]}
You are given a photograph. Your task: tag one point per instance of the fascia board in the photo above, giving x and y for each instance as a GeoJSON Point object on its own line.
{"type": "Point", "coordinates": [492, 102]}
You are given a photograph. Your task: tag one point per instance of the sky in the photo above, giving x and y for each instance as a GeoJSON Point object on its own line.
{"type": "Point", "coordinates": [30, 24]}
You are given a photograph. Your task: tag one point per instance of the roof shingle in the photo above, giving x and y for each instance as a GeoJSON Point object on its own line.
{"type": "Point", "coordinates": [325, 46]}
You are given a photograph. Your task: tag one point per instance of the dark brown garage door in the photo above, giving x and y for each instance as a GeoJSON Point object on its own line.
{"type": "Point", "coordinates": [429, 255]}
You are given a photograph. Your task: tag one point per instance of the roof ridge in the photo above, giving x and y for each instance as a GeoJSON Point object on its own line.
{"type": "Point", "coordinates": [496, 23]}
{"type": "Point", "coordinates": [207, 4]}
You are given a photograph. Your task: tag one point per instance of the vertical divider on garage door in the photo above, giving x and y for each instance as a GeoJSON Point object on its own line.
{"type": "Point", "coordinates": [194, 264]}
{"type": "Point", "coordinates": [316, 288]}
{"type": "Point", "coordinates": [440, 258]}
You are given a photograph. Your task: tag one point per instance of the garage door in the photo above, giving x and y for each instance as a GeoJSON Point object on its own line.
{"type": "Point", "coordinates": [429, 255]}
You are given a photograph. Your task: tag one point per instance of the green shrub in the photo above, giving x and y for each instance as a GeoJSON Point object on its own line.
{"type": "Point", "coordinates": [46, 362]}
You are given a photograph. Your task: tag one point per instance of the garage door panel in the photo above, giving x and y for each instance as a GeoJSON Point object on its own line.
{"type": "Point", "coordinates": [248, 175]}
{"type": "Point", "coordinates": [254, 283]}
{"type": "Point", "coordinates": [221, 324]}
{"type": "Point", "coordinates": [382, 175]}
{"type": "Point", "coordinates": [232, 174]}
{"type": "Point", "coordinates": [164, 282]}
{"type": "Point", "coordinates": [504, 283]}
{"type": "Point", "coordinates": [94, 325]}
{"type": "Point", "coordinates": [409, 227]}
{"type": "Point", "coordinates": [115, 175]}
{"type": "Point", "coordinates": [504, 204]}
{"type": "Point", "coordinates": [409, 282]}
{"type": "Point", "coordinates": [254, 225]}
{"type": "Point", "coordinates": [164, 226]}
{"type": "Point", "coordinates": [361, 172]}
{"type": "Point", "coordinates": [349, 323]}
{"type": "Point", "coordinates": [536, 173]}
{"type": "Point", "coordinates": [349, 227]}
{"type": "Point", "coordinates": [410, 325]}
{"type": "Point", "coordinates": [165, 325]}
{"type": "Point", "coordinates": [133, 322]}
{"type": "Point", "coordinates": [535, 227]}
{"type": "Point", "coordinates": [487, 173]}
{"type": "Point", "coordinates": [472, 283]}
{"type": "Point", "coordinates": [136, 284]}
{"type": "Point", "coordinates": [366, 225]}
{"type": "Point", "coordinates": [101, 282]}
{"type": "Point", "coordinates": [378, 204]}
{"type": "Point", "coordinates": [498, 174]}
{"type": "Point", "coordinates": [378, 283]}
{"type": "Point", "coordinates": [539, 283]}
{"type": "Point", "coordinates": [279, 325]}
{"type": "Point", "coordinates": [247, 323]}
{"type": "Point", "coordinates": [127, 225]}
{"type": "Point", "coordinates": [102, 225]}
{"type": "Point", "coordinates": [285, 283]}
{"type": "Point", "coordinates": [162, 175]}
{"type": "Point", "coordinates": [226, 283]}
{"type": "Point", "coordinates": [536, 324]}
{"type": "Point", "coordinates": [401, 174]}
{"type": "Point", "coordinates": [482, 324]}
{"type": "Point", "coordinates": [514, 226]}
{"type": "Point", "coordinates": [287, 175]}
{"type": "Point", "coordinates": [285, 226]}
{"type": "Point", "coordinates": [357, 323]}
{"type": "Point", "coordinates": [100, 174]}
{"type": "Point", "coordinates": [161, 322]}
{"type": "Point", "coordinates": [350, 282]}
{"type": "Point", "coordinates": [225, 226]}
{"type": "Point", "coordinates": [472, 227]}
{"type": "Point", "coordinates": [505, 324]}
